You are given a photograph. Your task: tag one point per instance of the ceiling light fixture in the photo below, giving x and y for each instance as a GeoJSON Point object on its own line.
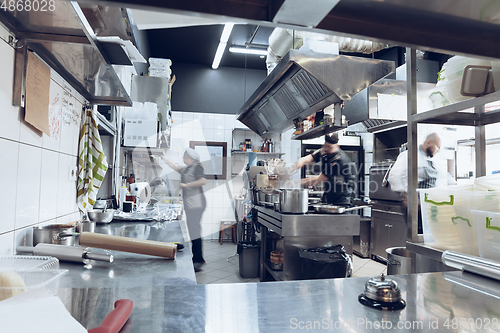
{"type": "Point", "coordinates": [244, 50]}
{"type": "Point", "coordinates": [228, 27]}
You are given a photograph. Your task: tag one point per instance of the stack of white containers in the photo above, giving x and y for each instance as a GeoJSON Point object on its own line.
{"type": "Point", "coordinates": [462, 218]}
{"type": "Point", "coordinates": [160, 67]}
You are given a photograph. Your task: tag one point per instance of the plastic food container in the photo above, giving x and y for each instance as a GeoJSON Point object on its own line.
{"type": "Point", "coordinates": [488, 232]}
{"type": "Point", "coordinates": [38, 278]}
{"type": "Point", "coordinates": [28, 262]}
{"type": "Point", "coordinates": [487, 183]}
{"type": "Point", "coordinates": [447, 220]}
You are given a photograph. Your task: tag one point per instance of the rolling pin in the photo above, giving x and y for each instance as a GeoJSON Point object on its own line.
{"type": "Point", "coordinates": [66, 253]}
{"type": "Point", "coordinates": [127, 244]}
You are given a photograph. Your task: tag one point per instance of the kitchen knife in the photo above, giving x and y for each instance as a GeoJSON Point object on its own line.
{"type": "Point", "coordinates": [115, 320]}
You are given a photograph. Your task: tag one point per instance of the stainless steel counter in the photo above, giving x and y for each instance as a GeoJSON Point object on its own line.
{"type": "Point", "coordinates": [302, 231]}
{"type": "Point", "coordinates": [131, 270]}
{"type": "Point", "coordinates": [434, 300]}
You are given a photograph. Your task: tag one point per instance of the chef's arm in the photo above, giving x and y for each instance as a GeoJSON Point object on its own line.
{"type": "Point", "coordinates": [197, 183]}
{"type": "Point", "coordinates": [171, 164]}
{"type": "Point", "coordinates": [398, 175]}
{"type": "Point", "coordinates": [303, 161]}
{"type": "Point", "coordinates": [311, 181]}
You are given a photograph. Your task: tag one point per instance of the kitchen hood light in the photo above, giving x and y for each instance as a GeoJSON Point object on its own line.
{"type": "Point", "coordinates": [244, 50]}
{"type": "Point", "coordinates": [228, 27]}
{"type": "Point", "coordinates": [218, 55]}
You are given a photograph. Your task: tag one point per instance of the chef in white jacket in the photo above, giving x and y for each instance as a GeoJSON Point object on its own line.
{"type": "Point", "coordinates": [429, 173]}
{"type": "Point", "coordinates": [427, 169]}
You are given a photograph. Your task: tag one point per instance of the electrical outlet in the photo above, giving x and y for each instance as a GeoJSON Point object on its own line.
{"type": "Point", "coordinates": [73, 173]}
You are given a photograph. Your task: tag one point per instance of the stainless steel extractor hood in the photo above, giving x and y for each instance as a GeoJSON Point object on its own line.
{"type": "Point", "coordinates": [305, 82]}
{"type": "Point", "coordinates": [382, 105]}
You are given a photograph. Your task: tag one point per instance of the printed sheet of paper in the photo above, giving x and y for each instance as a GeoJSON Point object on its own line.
{"type": "Point", "coordinates": [37, 94]}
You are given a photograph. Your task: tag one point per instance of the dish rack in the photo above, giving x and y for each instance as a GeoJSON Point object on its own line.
{"type": "Point", "coordinates": [36, 272]}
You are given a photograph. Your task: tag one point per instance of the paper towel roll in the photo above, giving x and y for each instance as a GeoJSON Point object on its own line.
{"type": "Point", "coordinates": [141, 190]}
{"type": "Point", "coordinates": [127, 244]}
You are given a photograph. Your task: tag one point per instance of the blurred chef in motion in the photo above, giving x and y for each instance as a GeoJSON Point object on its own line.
{"type": "Point", "coordinates": [428, 173]}
{"type": "Point", "coordinates": [192, 181]}
{"type": "Point", "coordinates": [337, 172]}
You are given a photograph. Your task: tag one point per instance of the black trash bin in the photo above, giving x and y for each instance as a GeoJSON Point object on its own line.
{"type": "Point", "coordinates": [325, 263]}
{"type": "Point", "coordinates": [249, 254]}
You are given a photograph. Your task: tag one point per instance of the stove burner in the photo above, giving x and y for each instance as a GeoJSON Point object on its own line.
{"type": "Point", "coordinates": [388, 306]}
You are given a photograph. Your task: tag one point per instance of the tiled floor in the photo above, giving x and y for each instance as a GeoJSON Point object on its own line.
{"type": "Point", "coordinates": [219, 269]}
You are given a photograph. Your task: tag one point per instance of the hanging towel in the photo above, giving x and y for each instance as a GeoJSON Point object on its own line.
{"type": "Point", "coordinates": [92, 165]}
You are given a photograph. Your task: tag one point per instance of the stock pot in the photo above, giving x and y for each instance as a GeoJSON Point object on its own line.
{"type": "Point", "coordinates": [61, 234]}
{"type": "Point", "coordinates": [294, 201]}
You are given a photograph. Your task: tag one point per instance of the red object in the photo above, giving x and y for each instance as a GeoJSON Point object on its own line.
{"type": "Point", "coordinates": [115, 320]}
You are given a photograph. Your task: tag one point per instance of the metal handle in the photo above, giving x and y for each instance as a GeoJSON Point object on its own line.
{"type": "Point", "coordinates": [60, 236]}
{"type": "Point", "coordinates": [389, 261]}
{"type": "Point", "coordinates": [99, 257]}
{"type": "Point", "coordinates": [388, 225]}
{"type": "Point", "coordinates": [386, 211]}
{"type": "Point", "coordinates": [472, 264]}
{"type": "Point", "coordinates": [354, 208]}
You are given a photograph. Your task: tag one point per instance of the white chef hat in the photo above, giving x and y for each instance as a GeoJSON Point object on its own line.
{"type": "Point", "coordinates": [192, 154]}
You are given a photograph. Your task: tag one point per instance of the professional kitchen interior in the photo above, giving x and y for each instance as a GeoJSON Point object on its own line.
{"type": "Point", "coordinates": [264, 166]}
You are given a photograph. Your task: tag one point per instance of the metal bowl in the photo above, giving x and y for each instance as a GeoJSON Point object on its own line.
{"type": "Point", "coordinates": [101, 216]}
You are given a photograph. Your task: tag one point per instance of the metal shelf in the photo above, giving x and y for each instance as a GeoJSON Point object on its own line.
{"type": "Point", "coordinates": [451, 115]}
{"type": "Point", "coordinates": [317, 132]}
{"type": "Point", "coordinates": [277, 275]}
{"type": "Point", "coordinates": [387, 126]}
{"type": "Point", "coordinates": [67, 40]}
{"type": "Point", "coordinates": [105, 125]}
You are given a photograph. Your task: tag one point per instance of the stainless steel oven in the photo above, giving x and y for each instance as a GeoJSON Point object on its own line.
{"type": "Point", "coordinates": [388, 224]}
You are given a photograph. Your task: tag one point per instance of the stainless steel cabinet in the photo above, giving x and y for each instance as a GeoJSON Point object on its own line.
{"type": "Point", "coordinates": [388, 230]}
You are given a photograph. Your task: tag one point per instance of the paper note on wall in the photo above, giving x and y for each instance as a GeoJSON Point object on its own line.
{"type": "Point", "coordinates": [37, 94]}
{"type": "Point", "coordinates": [70, 115]}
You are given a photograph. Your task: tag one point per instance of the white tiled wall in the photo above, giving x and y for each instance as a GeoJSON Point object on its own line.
{"type": "Point", "coordinates": [34, 167]}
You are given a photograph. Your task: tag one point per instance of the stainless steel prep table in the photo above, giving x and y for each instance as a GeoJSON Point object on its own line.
{"type": "Point", "coordinates": [302, 231]}
{"type": "Point", "coordinates": [436, 299]}
{"type": "Point", "coordinates": [136, 270]}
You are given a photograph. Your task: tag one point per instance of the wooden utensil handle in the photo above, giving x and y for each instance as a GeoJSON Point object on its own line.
{"type": "Point", "coordinates": [127, 244]}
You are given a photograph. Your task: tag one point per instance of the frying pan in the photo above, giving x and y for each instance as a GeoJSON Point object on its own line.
{"type": "Point", "coordinates": [332, 209]}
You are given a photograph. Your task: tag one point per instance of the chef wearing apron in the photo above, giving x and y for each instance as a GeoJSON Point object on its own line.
{"type": "Point", "coordinates": [427, 172]}
{"type": "Point", "coordinates": [337, 172]}
{"type": "Point", "coordinates": [192, 181]}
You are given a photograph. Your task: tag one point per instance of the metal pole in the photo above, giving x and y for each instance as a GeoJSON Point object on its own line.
{"type": "Point", "coordinates": [480, 145]}
{"type": "Point", "coordinates": [411, 109]}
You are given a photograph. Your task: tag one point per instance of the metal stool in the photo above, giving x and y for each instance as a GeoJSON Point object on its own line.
{"type": "Point", "coordinates": [224, 224]}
